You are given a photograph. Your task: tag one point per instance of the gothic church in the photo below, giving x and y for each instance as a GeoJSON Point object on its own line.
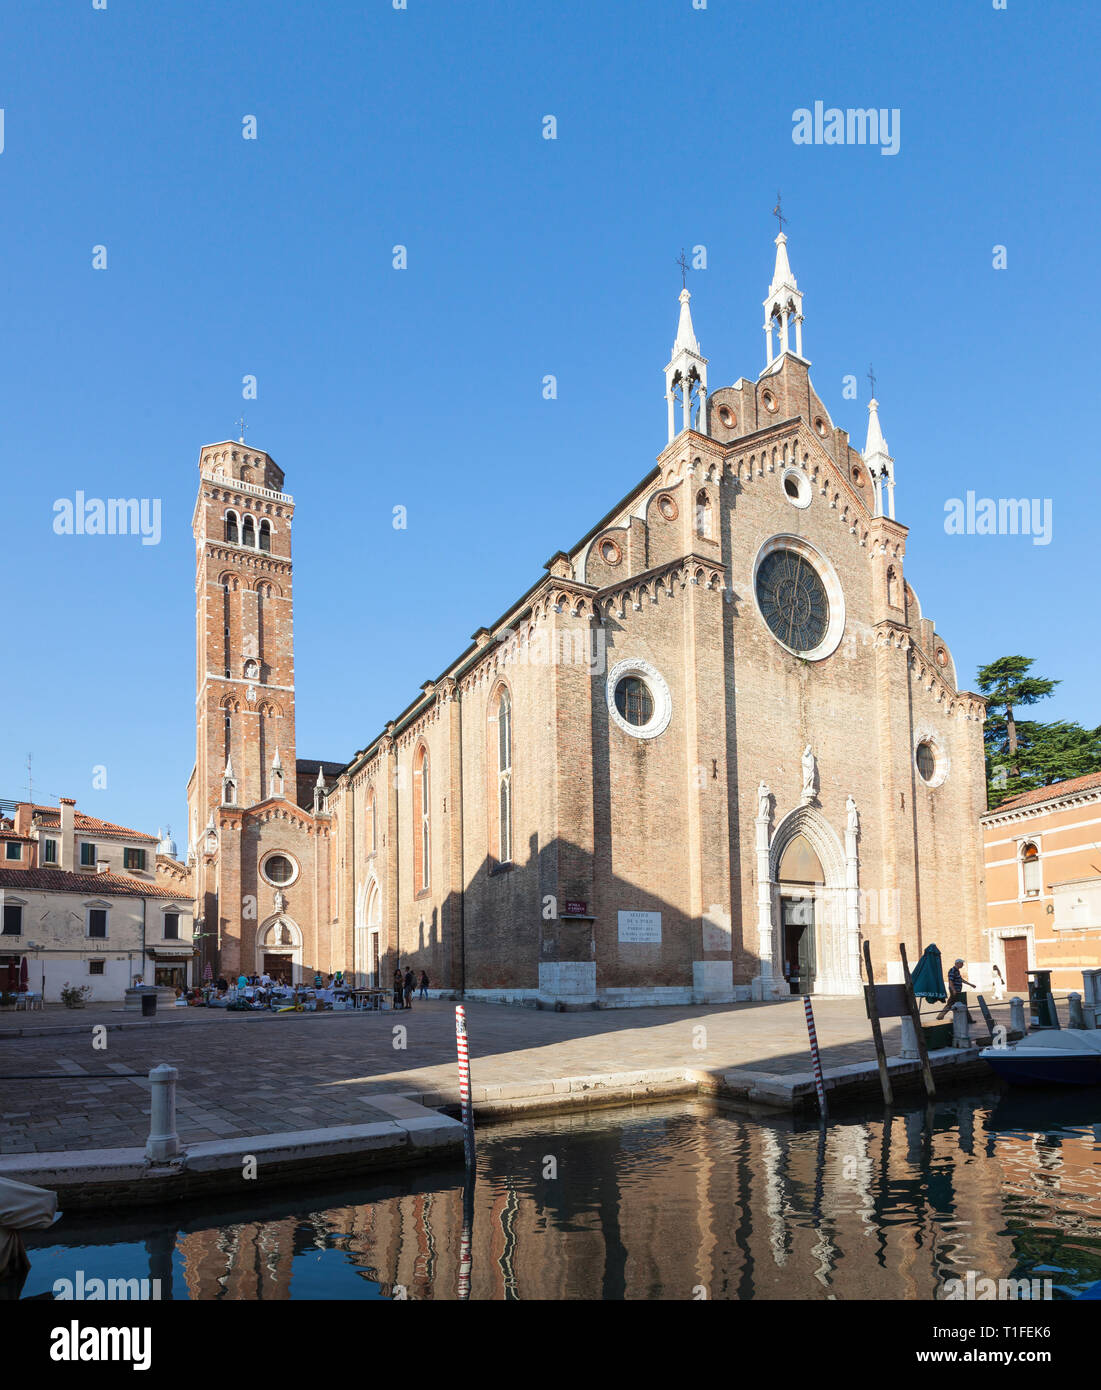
{"type": "Point", "coordinates": [714, 748]}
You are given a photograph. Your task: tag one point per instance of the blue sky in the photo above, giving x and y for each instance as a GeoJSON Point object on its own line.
{"type": "Point", "coordinates": [527, 257]}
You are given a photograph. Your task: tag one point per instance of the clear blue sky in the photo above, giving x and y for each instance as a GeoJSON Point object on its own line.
{"type": "Point", "coordinates": [526, 257]}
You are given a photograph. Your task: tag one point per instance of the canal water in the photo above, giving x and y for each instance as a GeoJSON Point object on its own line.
{"type": "Point", "coordinates": [671, 1201]}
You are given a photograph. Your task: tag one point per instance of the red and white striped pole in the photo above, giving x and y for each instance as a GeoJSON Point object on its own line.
{"type": "Point", "coordinates": [815, 1059]}
{"type": "Point", "coordinates": [464, 1084]}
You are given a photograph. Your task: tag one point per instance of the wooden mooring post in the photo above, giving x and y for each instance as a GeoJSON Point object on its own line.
{"type": "Point", "coordinates": [877, 1031]}
{"type": "Point", "coordinates": [912, 1005]}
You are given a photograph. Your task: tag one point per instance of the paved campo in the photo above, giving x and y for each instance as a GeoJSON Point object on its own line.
{"type": "Point", "coordinates": [244, 1074]}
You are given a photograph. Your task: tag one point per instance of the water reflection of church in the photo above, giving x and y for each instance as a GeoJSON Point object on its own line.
{"type": "Point", "coordinates": [750, 1211]}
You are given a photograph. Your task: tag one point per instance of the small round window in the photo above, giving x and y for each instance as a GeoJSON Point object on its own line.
{"type": "Point", "coordinates": [638, 698]}
{"type": "Point", "coordinates": [797, 487]}
{"type": "Point", "coordinates": [279, 869]}
{"type": "Point", "coordinates": [667, 507]}
{"type": "Point", "coordinates": [769, 401]}
{"type": "Point", "coordinates": [634, 701]}
{"type": "Point", "coordinates": [926, 761]}
{"type": "Point", "coordinates": [727, 418]}
{"type": "Point", "coordinates": [609, 553]}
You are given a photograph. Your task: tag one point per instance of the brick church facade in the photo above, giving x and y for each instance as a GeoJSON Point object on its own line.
{"type": "Point", "coordinates": [714, 748]}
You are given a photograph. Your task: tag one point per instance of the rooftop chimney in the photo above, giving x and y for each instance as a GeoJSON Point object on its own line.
{"type": "Point", "coordinates": [66, 850]}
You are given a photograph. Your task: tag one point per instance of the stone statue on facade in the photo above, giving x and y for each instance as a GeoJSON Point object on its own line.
{"type": "Point", "coordinates": [852, 821]}
{"type": "Point", "coordinates": [810, 775]}
{"type": "Point", "coordinates": [764, 796]}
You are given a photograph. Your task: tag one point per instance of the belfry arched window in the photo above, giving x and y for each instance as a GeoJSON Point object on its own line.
{"type": "Point", "coordinates": [703, 514]}
{"type": "Point", "coordinates": [422, 821]}
{"type": "Point", "coordinates": [231, 528]}
{"type": "Point", "coordinates": [248, 532]}
{"type": "Point", "coordinates": [265, 534]}
{"type": "Point", "coordinates": [503, 711]}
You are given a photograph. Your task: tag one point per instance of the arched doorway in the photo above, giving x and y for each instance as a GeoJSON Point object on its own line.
{"type": "Point", "coordinates": [801, 879]}
{"type": "Point", "coordinates": [812, 926]}
{"type": "Point", "coordinates": [367, 929]}
{"type": "Point", "coordinates": [280, 948]}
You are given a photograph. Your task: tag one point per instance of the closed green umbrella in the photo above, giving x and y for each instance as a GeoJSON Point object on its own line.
{"type": "Point", "coordinates": [928, 977]}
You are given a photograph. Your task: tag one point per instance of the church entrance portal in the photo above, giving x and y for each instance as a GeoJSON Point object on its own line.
{"type": "Point", "coordinates": [280, 968]}
{"type": "Point", "coordinates": [797, 920]}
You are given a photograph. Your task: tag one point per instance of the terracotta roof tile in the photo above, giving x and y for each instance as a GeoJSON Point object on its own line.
{"type": "Point", "coordinates": [49, 818]}
{"type": "Point", "coordinates": [91, 885]}
{"type": "Point", "coordinates": [1051, 793]}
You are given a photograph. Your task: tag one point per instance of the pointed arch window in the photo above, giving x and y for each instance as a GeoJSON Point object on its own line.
{"type": "Point", "coordinates": [372, 822]}
{"type": "Point", "coordinates": [504, 777]}
{"type": "Point", "coordinates": [703, 514]}
{"type": "Point", "coordinates": [422, 821]}
{"type": "Point", "coordinates": [248, 532]}
{"type": "Point", "coordinates": [231, 528]}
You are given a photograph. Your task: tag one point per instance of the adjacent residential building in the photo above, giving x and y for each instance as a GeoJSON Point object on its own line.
{"type": "Point", "coordinates": [1043, 878]}
{"type": "Point", "coordinates": [88, 902]}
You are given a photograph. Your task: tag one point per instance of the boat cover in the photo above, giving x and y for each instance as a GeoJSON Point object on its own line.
{"type": "Point", "coordinates": [22, 1208]}
{"type": "Point", "coordinates": [1082, 1040]}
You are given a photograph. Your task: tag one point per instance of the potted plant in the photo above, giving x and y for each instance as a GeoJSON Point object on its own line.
{"type": "Point", "coordinates": [73, 996]}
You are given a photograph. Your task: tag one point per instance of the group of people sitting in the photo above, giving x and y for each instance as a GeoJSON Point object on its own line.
{"type": "Point", "coordinates": [263, 991]}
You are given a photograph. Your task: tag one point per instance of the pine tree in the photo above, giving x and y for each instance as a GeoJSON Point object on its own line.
{"type": "Point", "coordinates": [1007, 686]}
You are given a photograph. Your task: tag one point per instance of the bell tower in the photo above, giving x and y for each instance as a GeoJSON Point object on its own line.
{"type": "Point", "coordinates": [245, 629]}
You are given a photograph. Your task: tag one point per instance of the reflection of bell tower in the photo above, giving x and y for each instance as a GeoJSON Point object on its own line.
{"type": "Point", "coordinates": [244, 614]}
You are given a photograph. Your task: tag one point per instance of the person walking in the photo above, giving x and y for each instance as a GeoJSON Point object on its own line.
{"type": "Point", "coordinates": [956, 983]}
{"type": "Point", "coordinates": [424, 984]}
{"type": "Point", "coordinates": [399, 987]}
{"type": "Point", "coordinates": [999, 986]}
{"type": "Point", "coordinates": [410, 986]}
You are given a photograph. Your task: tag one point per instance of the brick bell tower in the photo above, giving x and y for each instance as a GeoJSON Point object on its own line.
{"type": "Point", "coordinates": [245, 741]}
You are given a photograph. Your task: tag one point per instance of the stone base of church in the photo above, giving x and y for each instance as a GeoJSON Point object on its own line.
{"type": "Point", "coordinates": [712, 982]}
{"type": "Point", "coordinates": [567, 983]}
{"type": "Point", "coordinates": [769, 987]}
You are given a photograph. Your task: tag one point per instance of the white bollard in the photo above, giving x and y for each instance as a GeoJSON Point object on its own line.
{"type": "Point", "coordinates": [961, 1029]}
{"type": "Point", "coordinates": [908, 1048]}
{"type": "Point", "coordinates": [1074, 1004]}
{"type": "Point", "coordinates": [1017, 1015]}
{"type": "Point", "coordinates": [163, 1142]}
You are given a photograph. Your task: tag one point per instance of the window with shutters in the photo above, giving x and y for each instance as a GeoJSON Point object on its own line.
{"type": "Point", "coordinates": [13, 919]}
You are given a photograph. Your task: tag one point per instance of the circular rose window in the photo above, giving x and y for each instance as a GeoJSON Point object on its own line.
{"type": "Point", "coordinates": [638, 698]}
{"type": "Point", "coordinates": [279, 869]}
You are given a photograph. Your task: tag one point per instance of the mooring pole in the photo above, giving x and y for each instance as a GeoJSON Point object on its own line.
{"type": "Point", "coordinates": [912, 1005]}
{"type": "Point", "coordinates": [464, 1084]}
{"type": "Point", "coordinates": [877, 1031]}
{"type": "Point", "coordinates": [815, 1058]}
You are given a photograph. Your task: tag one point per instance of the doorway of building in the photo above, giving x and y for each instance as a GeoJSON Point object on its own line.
{"type": "Point", "coordinates": [278, 967]}
{"type": "Point", "coordinates": [170, 976]}
{"type": "Point", "coordinates": [1016, 964]}
{"type": "Point", "coordinates": [374, 960]}
{"type": "Point", "coordinates": [797, 920]}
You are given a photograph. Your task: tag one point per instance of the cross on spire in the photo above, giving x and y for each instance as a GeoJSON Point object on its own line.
{"type": "Point", "coordinates": [871, 377]}
{"type": "Point", "coordinates": [777, 213]}
{"type": "Point", "coordinates": [240, 423]}
{"type": "Point", "coordinates": [683, 269]}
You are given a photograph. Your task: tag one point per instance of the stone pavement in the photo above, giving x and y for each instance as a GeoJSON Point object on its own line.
{"type": "Point", "coordinates": [244, 1074]}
